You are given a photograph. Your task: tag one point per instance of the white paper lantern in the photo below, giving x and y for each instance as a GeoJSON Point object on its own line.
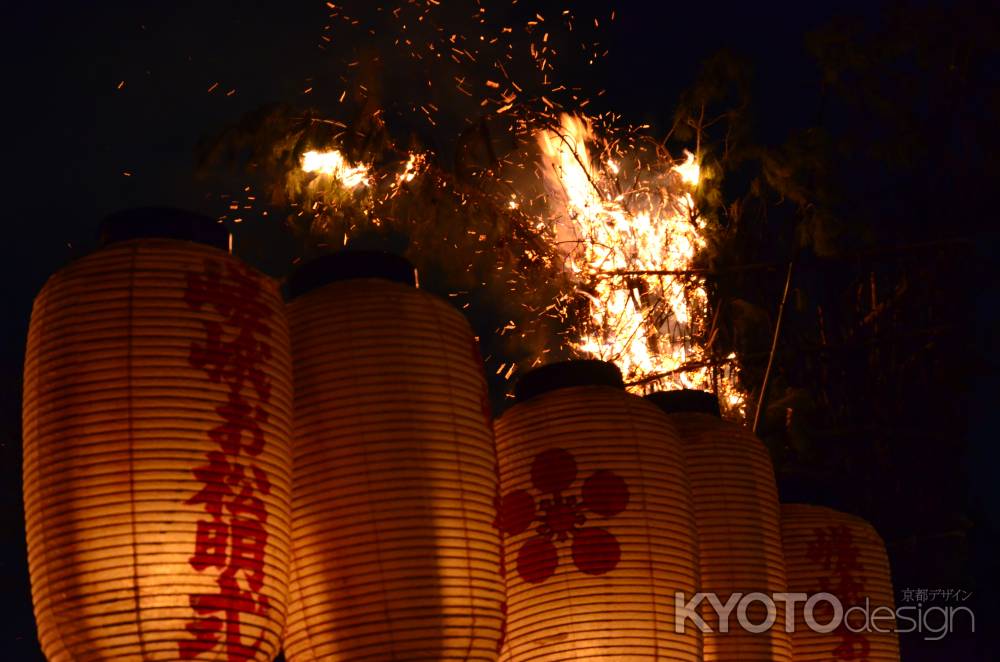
{"type": "Point", "coordinates": [395, 553]}
{"type": "Point", "coordinates": [597, 519]}
{"type": "Point", "coordinates": [738, 520]}
{"type": "Point", "coordinates": [157, 458]}
{"type": "Point", "coordinates": [827, 551]}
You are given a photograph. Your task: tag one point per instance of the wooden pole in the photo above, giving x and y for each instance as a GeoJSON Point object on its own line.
{"type": "Point", "coordinates": [774, 347]}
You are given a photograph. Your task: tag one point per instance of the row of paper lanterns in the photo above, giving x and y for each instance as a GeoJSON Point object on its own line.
{"type": "Point", "coordinates": [213, 474]}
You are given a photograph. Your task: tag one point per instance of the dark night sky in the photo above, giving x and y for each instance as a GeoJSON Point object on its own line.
{"type": "Point", "coordinates": [71, 134]}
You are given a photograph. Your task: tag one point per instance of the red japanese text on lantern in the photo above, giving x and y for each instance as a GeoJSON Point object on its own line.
{"type": "Point", "coordinates": [232, 539]}
{"type": "Point", "coordinates": [835, 550]}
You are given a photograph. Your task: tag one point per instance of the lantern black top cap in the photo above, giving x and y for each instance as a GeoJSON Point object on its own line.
{"type": "Point", "coordinates": [349, 264]}
{"type": "Point", "coordinates": [583, 372]}
{"type": "Point", "coordinates": [163, 223]}
{"type": "Point", "coordinates": [686, 401]}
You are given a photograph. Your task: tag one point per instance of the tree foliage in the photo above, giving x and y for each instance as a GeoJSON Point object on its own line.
{"type": "Point", "coordinates": [877, 191]}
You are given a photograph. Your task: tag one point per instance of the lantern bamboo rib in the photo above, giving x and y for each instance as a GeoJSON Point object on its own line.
{"type": "Point", "coordinates": [116, 419]}
{"type": "Point", "coordinates": [624, 610]}
{"type": "Point", "coordinates": [395, 553]}
{"type": "Point", "coordinates": [830, 551]}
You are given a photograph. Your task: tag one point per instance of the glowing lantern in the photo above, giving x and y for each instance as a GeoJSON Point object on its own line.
{"type": "Point", "coordinates": [827, 551]}
{"type": "Point", "coordinates": [597, 521]}
{"type": "Point", "coordinates": [394, 552]}
{"type": "Point", "coordinates": [739, 527]}
{"type": "Point", "coordinates": [157, 457]}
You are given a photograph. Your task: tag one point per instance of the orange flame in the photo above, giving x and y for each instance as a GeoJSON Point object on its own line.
{"type": "Point", "coordinates": [333, 164]}
{"type": "Point", "coordinates": [611, 238]}
{"type": "Point", "coordinates": [624, 231]}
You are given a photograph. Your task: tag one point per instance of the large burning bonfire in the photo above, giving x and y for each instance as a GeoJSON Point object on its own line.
{"type": "Point", "coordinates": [623, 232]}
{"type": "Point", "coordinates": [582, 234]}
